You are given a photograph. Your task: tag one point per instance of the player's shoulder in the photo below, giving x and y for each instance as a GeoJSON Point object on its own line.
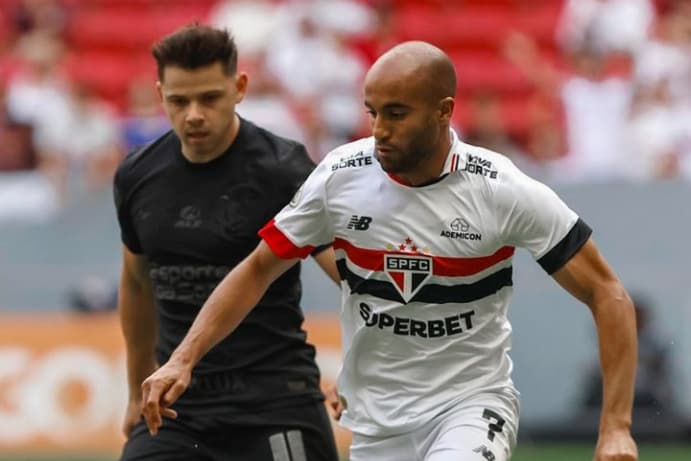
{"type": "Point", "coordinates": [143, 159]}
{"type": "Point", "coordinates": [272, 149]}
{"type": "Point", "coordinates": [479, 164]}
{"type": "Point", "coordinates": [351, 157]}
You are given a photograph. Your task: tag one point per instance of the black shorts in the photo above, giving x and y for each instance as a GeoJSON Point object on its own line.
{"type": "Point", "coordinates": [309, 437]}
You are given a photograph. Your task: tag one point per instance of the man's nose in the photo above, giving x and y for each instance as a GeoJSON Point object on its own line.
{"type": "Point", "coordinates": [194, 113]}
{"type": "Point", "coordinates": [379, 129]}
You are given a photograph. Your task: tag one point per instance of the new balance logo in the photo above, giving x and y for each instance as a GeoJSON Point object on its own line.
{"type": "Point", "coordinates": [360, 223]}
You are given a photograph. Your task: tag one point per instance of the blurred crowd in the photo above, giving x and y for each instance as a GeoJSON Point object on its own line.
{"type": "Point", "coordinates": [608, 100]}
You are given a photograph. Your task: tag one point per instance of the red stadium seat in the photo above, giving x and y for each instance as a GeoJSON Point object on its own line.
{"type": "Point", "coordinates": [487, 71]}
{"type": "Point", "coordinates": [128, 27]}
{"type": "Point", "coordinates": [109, 74]}
{"type": "Point", "coordinates": [470, 26]}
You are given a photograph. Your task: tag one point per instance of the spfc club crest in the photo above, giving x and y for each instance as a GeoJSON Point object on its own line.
{"type": "Point", "coordinates": [408, 273]}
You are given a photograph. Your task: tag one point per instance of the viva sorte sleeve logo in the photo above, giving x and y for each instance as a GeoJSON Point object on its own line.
{"type": "Point", "coordinates": [408, 269]}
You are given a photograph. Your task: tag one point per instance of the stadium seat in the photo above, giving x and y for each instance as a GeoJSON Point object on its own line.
{"type": "Point", "coordinates": [478, 70]}
{"type": "Point", "coordinates": [128, 27]}
{"type": "Point", "coordinates": [109, 73]}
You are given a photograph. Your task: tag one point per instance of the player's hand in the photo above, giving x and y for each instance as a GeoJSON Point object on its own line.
{"type": "Point", "coordinates": [334, 402]}
{"type": "Point", "coordinates": [616, 446]}
{"type": "Point", "coordinates": [133, 414]}
{"type": "Point", "coordinates": [160, 390]}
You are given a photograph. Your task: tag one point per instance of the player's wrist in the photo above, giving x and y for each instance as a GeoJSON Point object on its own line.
{"type": "Point", "coordinates": [184, 359]}
{"type": "Point", "coordinates": [615, 425]}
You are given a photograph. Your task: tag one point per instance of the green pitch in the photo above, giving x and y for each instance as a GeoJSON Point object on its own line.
{"type": "Point", "coordinates": [558, 452]}
{"type": "Point", "coordinates": [525, 452]}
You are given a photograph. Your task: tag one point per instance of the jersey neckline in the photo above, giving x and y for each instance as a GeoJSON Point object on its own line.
{"type": "Point", "coordinates": [239, 137]}
{"type": "Point", "coordinates": [452, 163]}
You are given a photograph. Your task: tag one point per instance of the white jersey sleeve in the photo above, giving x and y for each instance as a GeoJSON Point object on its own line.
{"type": "Point", "coordinates": [532, 216]}
{"type": "Point", "coordinates": [303, 223]}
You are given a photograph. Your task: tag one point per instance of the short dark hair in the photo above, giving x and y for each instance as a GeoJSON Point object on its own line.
{"type": "Point", "coordinates": [195, 46]}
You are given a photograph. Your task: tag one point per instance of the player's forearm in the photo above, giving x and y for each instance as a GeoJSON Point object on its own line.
{"type": "Point", "coordinates": [138, 323]}
{"type": "Point", "coordinates": [223, 311]}
{"type": "Point", "coordinates": [616, 325]}
{"type": "Point", "coordinates": [327, 261]}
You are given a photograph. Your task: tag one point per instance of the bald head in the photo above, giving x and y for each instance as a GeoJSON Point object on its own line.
{"type": "Point", "coordinates": [419, 64]}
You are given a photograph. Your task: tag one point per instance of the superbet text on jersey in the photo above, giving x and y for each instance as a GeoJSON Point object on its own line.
{"type": "Point", "coordinates": [426, 274]}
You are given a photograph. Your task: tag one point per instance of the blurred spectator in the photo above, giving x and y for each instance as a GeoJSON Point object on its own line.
{"type": "Point", "coordinates": [656, 134]}
{"type": "Point", "coordinates": [143, 120]}
{"type": "Point", "coordinates": [38, 84]}
{"type": "Point", "coordinates": [382, 35]}
{"type": "Point", "coordinates": [266, 104]}
{"type": "Point", "coordinates": [321, 75]}
{"type": "Point", "coordinates": [302, 54]}
{"type": "Point", "coordinates": [544, 137]}
{"type": "Point", "coordinates": [661, 123]}
{"type": "Point", "coordinates": [343, 17]}
{"type": "Point", "coordinates": [26, 195]}
{"type": "Point", "coordinates": [81, 146]}
{"type": "Point", "coordinates": [595, 104]}
{"type": "Point", "coordinates": [46, 16]}
{"type": "Point", "coordinates": [16, 148]}
{"type": "Point", "coordinates": [253, 22]}
{"type": "Point", "coordinates": [596, 108]}
{"type": "Point", "coordinates": [611, 25]}
{"type": "Point", "coordinates": [666, 58]}
{"type": "Point", "coordinates": [486, 126]}
{"type": "Point", "coordinates": [34, 89]}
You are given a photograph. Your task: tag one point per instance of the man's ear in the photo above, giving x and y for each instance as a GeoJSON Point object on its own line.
{"type": "Point", "coordinates": [446, 107]}
{"type": "Point", "coordinates": [241, 82]}
{"type": "Point", "coordinates": [159, 91]}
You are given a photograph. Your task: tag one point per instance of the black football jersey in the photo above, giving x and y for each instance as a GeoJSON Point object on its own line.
{"type": "Point", "coordinates": [195, 222]}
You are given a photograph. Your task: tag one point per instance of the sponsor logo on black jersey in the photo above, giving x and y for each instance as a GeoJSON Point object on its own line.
{"type": "Point", "coordinates": [186, 283]}
{"type": "Point", "coordinates": [460, 229]}
{"type": "Point", "coordinates": [359, 223]}
{"type": "Point", "coordinates": [352, 161]}
{"type": "Point", "coordinates": [477, 165]}
{"type": "Point", "coordinates": [141, 214]}
{"type": "Point", "coordinates": [190, 218]}
{"type": "Point", "coordinates": [407, 272]}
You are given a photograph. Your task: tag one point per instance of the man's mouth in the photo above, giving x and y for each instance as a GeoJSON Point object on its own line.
{"type": "Point", "coordinates": [197, 135]}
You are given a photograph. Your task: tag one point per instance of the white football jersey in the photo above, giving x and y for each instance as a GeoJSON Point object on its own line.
{"type": "Point", "coordinates": [426, 274]}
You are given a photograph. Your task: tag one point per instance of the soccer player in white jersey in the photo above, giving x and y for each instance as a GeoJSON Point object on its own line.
{"type": "Point", "coordinates": [424, 228]}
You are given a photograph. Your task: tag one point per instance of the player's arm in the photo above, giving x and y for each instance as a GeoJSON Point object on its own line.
{"type": "Point", "coordinates": [222, 312]}
{"type": "Point", "coordinates": [589, 278]}
{"type": "Point", "coordinates": [137, 313]}
{"type": "Point", "coordinates": [326, 258]}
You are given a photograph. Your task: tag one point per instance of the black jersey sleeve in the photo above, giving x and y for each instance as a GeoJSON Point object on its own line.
{"type": "Point", "coordinates": [296, 166]}
{"type": "Point", "coordinates": [124, 214]}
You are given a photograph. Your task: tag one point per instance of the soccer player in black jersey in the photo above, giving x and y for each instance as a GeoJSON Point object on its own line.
{"type": "Point", "coordinates": [189, 207]}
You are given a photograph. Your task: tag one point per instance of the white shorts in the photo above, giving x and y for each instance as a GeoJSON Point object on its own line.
{"type": "Point", "coordinates": [482, 428]}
